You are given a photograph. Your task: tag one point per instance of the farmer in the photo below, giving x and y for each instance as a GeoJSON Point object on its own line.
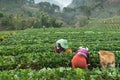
{"type": "Point", "coordinates": [60, 46]}
{"type": "Point", "coordinates": [107, 59]}
{"type": "Point", "coordinates": [81, 58]}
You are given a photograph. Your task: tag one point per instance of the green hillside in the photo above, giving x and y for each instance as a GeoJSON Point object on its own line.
{"type": "Point", "coordinates": [22, 14]}
{"type": "Point", "coordinates": [106, 22]}
{"type": "Point", "coordinates": [97, 8]}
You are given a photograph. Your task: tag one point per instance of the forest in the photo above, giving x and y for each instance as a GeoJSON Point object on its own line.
{"type": "Point", "coordinates": [22, 14]}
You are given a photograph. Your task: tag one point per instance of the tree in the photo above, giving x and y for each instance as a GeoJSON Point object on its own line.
{"type": "Point", "coordinates": [1, 15]}
{"type": "Point", "coordinates": [68, 15]}
{"type": "Point", "coordinates": [81, 21]}
{"type": "Point", "coordinates": [55, 8]}
{"type": "Point", "coordinates": [87, 11]}
{"type": "Point", "coordinates": [48, 8]}
{"type": "Point", "coordinates": [7, 22]}
{"type": "Point", "coordinates": [30, 2]}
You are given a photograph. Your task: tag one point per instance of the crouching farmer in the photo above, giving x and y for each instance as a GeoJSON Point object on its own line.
{"type": "Point", "coordinates": [81, 58]}
{"type": "Point", "coordinates": [61, 46]}
{"type": "Point", "coordinates": [107, 59]}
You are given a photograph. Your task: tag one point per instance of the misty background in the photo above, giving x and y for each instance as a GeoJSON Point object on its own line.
{"type": "Point", "coordinates": [22, 14]}
{"type": "Point", "coordinates": [64, 3]}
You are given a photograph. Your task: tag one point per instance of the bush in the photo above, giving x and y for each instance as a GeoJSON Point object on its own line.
{"type": "Point", "coordinates": [81, 21]}
{"type": "Point", "coordinates": [1, 15]}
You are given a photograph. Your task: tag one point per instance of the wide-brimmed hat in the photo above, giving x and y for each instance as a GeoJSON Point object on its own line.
{"type": "Point", "coordinates": [63, 43]}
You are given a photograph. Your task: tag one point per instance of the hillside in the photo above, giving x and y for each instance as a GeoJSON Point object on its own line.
{"type": "Point", "coordinates": [16, 7]}
{"type": "Point", "coordinates": [99, 8]}
{"type": "Point", "coordinates": [103, 2]}
{"type": "Point", "coordinates": [21, 14]}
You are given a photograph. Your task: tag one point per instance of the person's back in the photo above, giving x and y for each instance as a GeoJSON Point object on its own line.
{"type": "Point", "coordinates": [81, 58]}
{"type": "Point", "coordinates": [107, 59]}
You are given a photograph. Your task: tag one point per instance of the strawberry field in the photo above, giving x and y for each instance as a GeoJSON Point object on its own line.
{"type": "Point", "coordinates": [29, 54]}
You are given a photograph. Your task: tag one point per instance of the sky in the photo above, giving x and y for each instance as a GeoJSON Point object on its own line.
{"type": "Point", "coordinates": [64, 2]}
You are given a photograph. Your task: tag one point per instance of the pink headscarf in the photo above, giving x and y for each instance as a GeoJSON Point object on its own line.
{"type": "Point", "coordinates": [83, 51]}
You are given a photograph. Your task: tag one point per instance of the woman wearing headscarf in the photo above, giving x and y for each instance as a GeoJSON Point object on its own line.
{"type": "Point", "coordinates": [81, 58]}
{"type": "Point", "coordinates": [60, 46]}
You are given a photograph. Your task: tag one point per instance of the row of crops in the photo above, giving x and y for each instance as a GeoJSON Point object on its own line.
{"type": "Point", "coordinates": [29, 54]}
{"type": "Point", "coordinates": [61, 74]}
{"type": "Point", "coordinates": [113, 22]}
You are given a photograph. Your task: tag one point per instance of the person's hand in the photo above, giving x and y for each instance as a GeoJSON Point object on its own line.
{"type": "Point", "coordinates": [61, 52]}
{"type": "Point", "coordinates": [88, 64]}
{"type": "Point", "coordinates": [90, 67]}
